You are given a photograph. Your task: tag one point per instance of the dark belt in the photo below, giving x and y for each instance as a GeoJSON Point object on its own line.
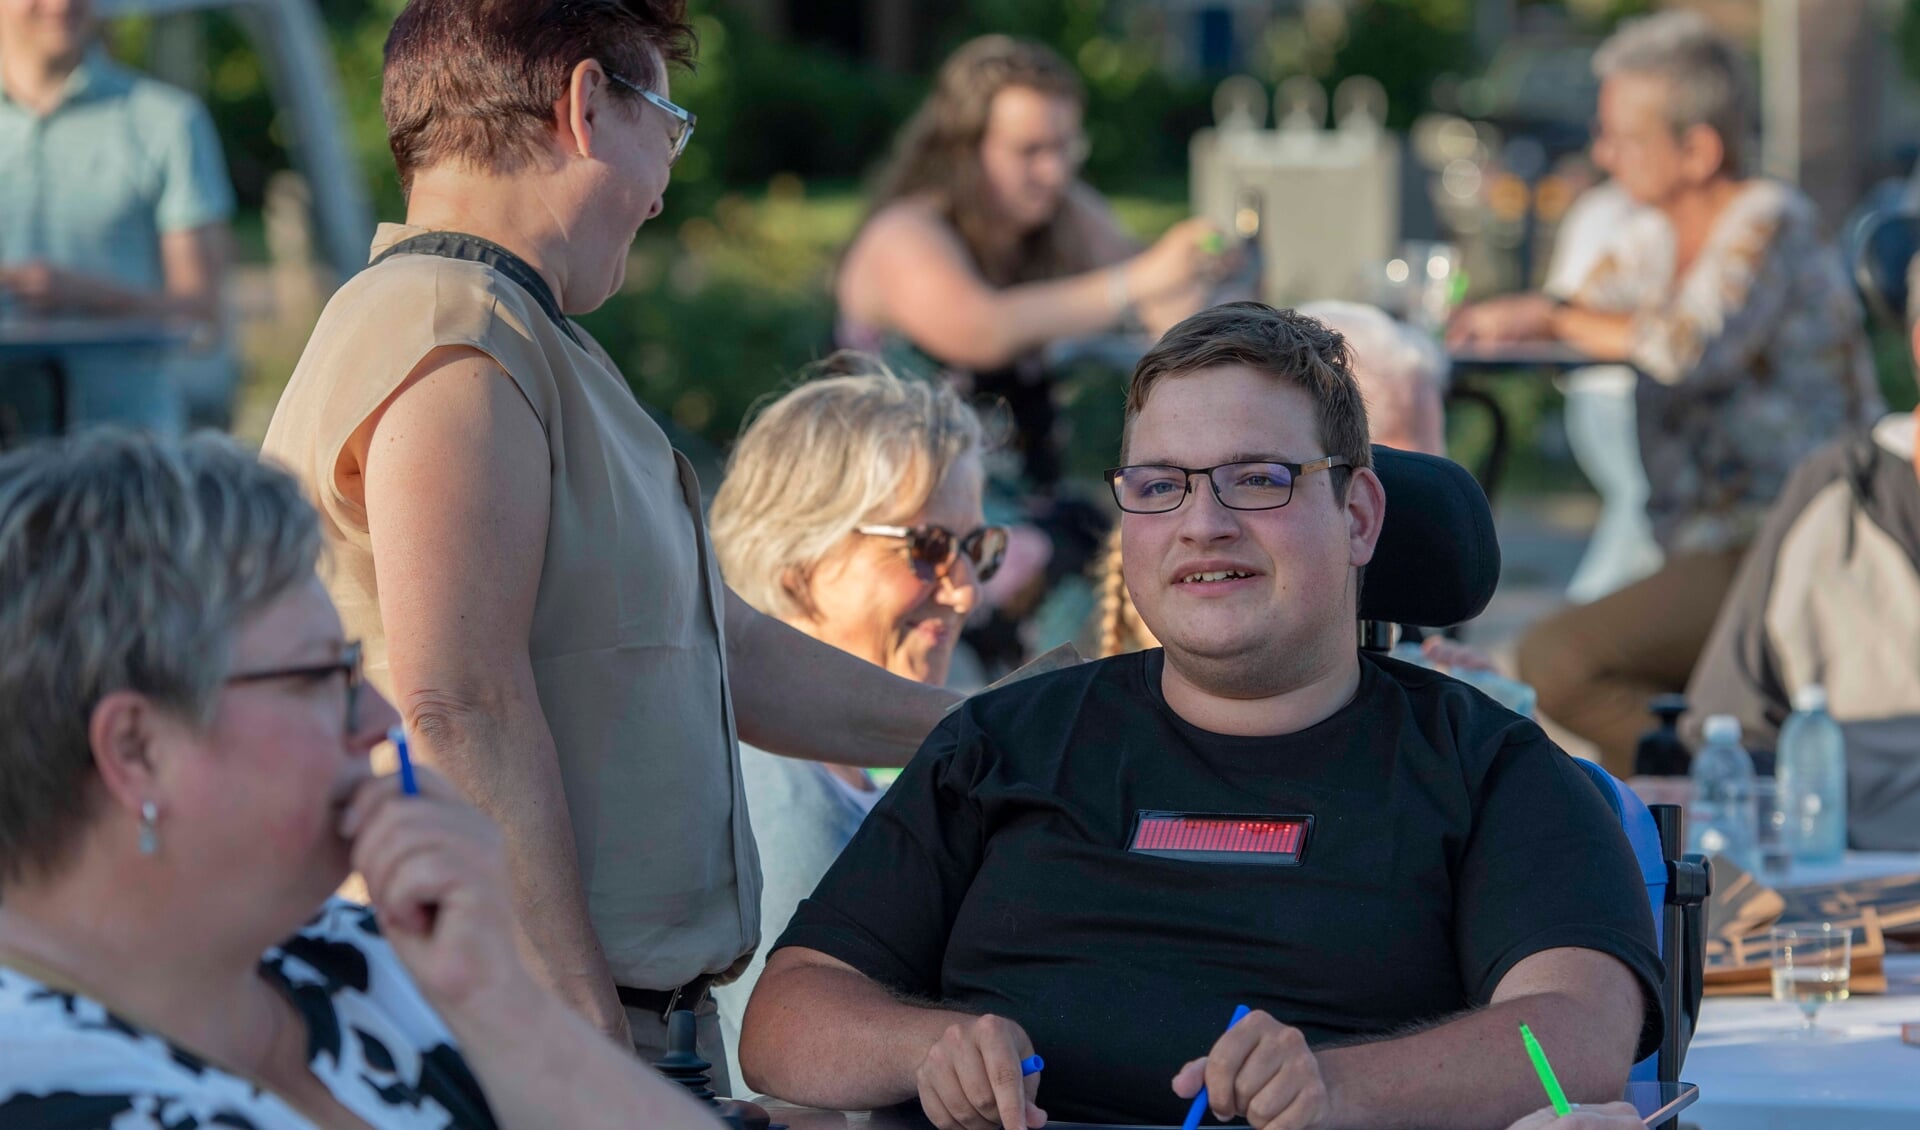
{"type": "Point", "coordinates": [665, 1002]}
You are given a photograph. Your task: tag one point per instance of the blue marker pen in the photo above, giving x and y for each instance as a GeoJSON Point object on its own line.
{"type": "Point", "coordinates": [1032, 1065]}
{"type": "Point", "coordinates": [1199, 1106]}
{"type": "Point", "coordinates": [408, 786]}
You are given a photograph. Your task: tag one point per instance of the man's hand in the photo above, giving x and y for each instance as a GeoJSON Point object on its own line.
{"type": "Point", "coordinates": [1498, 321]}
{"type": "Point", "coordinates": [1264, 1070]}
{"type": "Point", "coordinates": [40, 286]}
{"type": "Point", "coordinates": [970, 1079]}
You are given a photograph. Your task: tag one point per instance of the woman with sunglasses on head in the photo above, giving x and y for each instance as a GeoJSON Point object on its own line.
{"type": "Point", "coordinates": [514, 537]}
{"type": "Point", "coordinates": [851, 510]}
{"type": "Point", "coordinates": [184, 781]}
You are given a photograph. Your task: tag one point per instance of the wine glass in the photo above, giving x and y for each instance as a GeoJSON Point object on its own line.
{"type": "Point", "coordinates": [1812, 965]}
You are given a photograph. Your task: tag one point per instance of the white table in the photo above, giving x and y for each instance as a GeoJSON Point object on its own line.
{"type": "Point", "coordinates": [1754, 1073]}
{"type": "Point", "coordinates": [1857, 865]}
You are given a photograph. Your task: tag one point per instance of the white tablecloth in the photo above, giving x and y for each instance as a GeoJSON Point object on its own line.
{"type": "Point", "coordinates": [1755, 1073]}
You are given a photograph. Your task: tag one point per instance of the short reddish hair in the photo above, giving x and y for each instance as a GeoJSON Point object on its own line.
{"type": "Point", "coordinates": [1285, 345]}
{"type": "Point", "coordinates": [474, 81]}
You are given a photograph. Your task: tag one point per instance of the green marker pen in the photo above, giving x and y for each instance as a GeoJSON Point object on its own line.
{"type": "Point", "coordinates": [1545, 1070]}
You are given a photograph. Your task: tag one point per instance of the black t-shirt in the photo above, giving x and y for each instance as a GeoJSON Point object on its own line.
{"type": "Point", "coordinates": [1449, 840]}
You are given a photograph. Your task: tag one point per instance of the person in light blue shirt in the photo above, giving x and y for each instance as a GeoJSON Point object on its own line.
{"type": "Point", "coordinates": [852, 511]}
{"type": "Point", "coordinates": [114, 203]}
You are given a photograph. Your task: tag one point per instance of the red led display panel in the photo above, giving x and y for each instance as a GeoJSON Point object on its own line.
{"type": "Point", "coordinates": [1274, 840]}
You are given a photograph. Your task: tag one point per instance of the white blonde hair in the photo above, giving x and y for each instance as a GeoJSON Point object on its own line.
{"type": "Point", "coordinates": [1402, 372]}
{"type": "Point", "coordinates": [831, 454]}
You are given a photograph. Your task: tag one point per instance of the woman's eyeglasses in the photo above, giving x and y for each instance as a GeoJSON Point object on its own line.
{"type": "Point", "coordinates": [932, 548]}
{"type": "Point", "coordinates": [348, 665]}
{"type": "Point", "coordinates": [680, 132]}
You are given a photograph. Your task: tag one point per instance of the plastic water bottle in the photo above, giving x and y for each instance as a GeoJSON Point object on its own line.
{"type": "Point", "coordinates": [1722, 820]}
{"type": "Point", "coordinates": [1812, 771]}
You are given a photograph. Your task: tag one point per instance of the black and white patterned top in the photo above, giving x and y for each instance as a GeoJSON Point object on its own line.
{"type": "Point", "coordinates": [66, 1063]}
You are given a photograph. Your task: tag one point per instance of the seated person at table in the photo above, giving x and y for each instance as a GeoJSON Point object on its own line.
{"type": "Point", "coordinates": [852, 511]}
{"type": "Point", "coordinates": [184, 781]}
{"type": "Point", "coordinates": [1830, 595]}
{"type": "Point", "coordinates": [984, 245]}
{"type": "Point", "coordinates": [114, 202]}
{"type": "Point", "coordinates": [1066, 866]}
{"type": "Point", "coordinates": [1751, 355]}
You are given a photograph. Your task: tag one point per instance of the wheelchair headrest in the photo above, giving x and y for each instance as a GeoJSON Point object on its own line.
{"type": "Point", "coordinates": [1881, 246]}
{"type": "Point", "coordinates": [1438, 559]}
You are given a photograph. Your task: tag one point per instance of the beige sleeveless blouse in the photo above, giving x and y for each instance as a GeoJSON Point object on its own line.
{"type": "Point", "coordinates": [627, 644]}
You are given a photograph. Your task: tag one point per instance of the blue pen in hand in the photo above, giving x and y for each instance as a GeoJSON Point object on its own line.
{"type": "Point", "coordinates": [1032, 1065]}
{"type": "Point", "coordinates": [408, 786]}
{"type": "Point", "coordinates": [1199, 1106]}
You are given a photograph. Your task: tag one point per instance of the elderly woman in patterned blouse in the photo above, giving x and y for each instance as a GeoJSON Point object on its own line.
{"type": "Point", "coordinates": [1749, 344]}
{"type": "Point", "coordinates": [183, 781]}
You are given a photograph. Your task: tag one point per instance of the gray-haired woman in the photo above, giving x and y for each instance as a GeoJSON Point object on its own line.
{"type": "Point", "coordinates": [1750, 349]}
{"type": "Point", "coordinates": [184, 781]}
{"type": "Point", "coordinates": [851, 511]}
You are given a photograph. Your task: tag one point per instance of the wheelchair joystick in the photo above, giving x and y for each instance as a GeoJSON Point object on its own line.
{"type": "Point", "coordinates": [683, 1065]}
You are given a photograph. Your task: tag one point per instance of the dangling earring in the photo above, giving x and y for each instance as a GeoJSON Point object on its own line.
{"type": "Point", "coordinates": [149, 834]}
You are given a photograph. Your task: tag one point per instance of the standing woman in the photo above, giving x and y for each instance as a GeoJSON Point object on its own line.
{"type": "Point", "coordinates": [984, 245]}
{"type": "Point", "coordinates": [516, 542]}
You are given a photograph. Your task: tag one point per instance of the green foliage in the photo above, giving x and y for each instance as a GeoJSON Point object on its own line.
{"type": "Point", "coordinates": [1406, 45]}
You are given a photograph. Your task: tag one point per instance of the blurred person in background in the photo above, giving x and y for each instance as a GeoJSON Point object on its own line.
{"type": "Point", "coordinates": [1830, 595]}
{"type": "Point", "coordinates": [184, 781]}
{"type": "Point", "coordinates": [515, 539]}
{"type": "Point", "coordinates": [852, 512]}
{"type": "Point", "coordinates": [1751, 354]}
{"type": "Point", "coordinates": [983, 249]}
{"type": "Point", "coordinates": [983, 244]}
{"type": "Point", "coordinates": [114, 202]}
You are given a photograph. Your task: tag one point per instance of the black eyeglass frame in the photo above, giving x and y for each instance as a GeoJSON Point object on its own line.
{"type": "Point", "coordinates": [684, 119]}
{"type": "Point", "coordinates": [916, 537]}
{"type": "Point", "coordinates": [1296, 470]}
{"type": "Point", "coordinates": [348, 664]}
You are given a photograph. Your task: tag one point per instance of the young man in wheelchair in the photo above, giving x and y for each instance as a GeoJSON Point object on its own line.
{"type": "Point", "coordinates": [1098, 864]}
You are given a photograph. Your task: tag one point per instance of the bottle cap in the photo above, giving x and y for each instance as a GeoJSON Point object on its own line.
{"type": "Point", "coordinates": [1722, 729]}
{"type": "Point", "coordinates": [1810, 698]}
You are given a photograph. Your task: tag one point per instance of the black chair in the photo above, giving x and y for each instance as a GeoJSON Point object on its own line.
{"type": "Point", "coordinates": [1436, 565]}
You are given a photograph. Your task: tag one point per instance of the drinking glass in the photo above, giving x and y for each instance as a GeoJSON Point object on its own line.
{"type": "Point", "coordinates": [1812, 965]}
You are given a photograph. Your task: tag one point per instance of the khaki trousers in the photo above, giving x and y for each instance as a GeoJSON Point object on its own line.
{"type": "Point", "coordinates": [1595, 666]}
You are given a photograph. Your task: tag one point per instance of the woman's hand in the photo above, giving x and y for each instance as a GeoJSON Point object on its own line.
{"type": "Point", "coordinates": [1192, 252]}
{"type": "Point", "coordinates": [1613, 1116]}
{"type": "Point", "coordinates": [436, 875]}
{"type": "Point", "coordinates": [1501, 321]}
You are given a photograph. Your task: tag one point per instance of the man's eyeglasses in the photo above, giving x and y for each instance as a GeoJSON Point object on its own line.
{"type": "Point", "coordinates": [680, 132]}
{"type": "Point", "coordinates": [1155, 488]}
{"type": "Point", "coordinates": [932, 548]}
{"type": "Point", "coordinates": [348, 665]}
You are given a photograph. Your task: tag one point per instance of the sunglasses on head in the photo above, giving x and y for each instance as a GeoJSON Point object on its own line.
{"type": "Point", "coordinates": [932, 548]}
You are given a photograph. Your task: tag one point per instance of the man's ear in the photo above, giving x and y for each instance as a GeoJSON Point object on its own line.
{"type": "Point", "coordinates": [1366, 508]}
{"type": "Point", "coordinates": [121, 732]}
{"type": "Point", "coordinates": [580, 106]}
